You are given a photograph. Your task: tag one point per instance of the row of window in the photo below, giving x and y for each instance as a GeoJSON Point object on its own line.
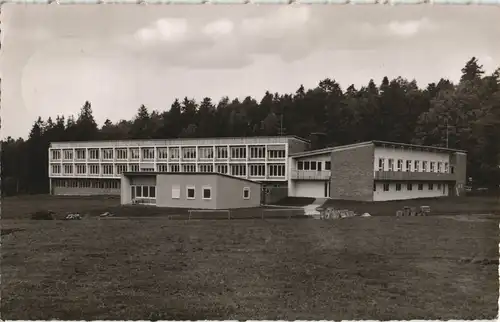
{"type": "Point", "coordinates": [254, 170]}
{"type": "Point", "coordinates": [413, 166]}
{"type": "Point", "coordinates": [175, 153]}
{"type": "Point", "coordinates": [86, 183]}
{"type": "Point", "coordinates": [314, 165]}
{"type": "Point", "coordinates": [206, 192]}
{"type": "Point", "coordinates": [410, 186]}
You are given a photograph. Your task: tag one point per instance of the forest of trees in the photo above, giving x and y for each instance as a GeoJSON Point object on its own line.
{"type": "Point", "coordinates": [463, 116]}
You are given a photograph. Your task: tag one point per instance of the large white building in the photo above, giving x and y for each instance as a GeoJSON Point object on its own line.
{"type": "Point", "coordinates": [371, 171]}
{"type": "Point", "coordinates": [377, 171]}
{"type": "Point", "coordinates": [87, 168]}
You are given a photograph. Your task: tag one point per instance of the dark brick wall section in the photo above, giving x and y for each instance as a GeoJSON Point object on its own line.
{"type": "Point", "coordinates": [352, 174]}
{"type": "Point", "coordinates": [296, 146]}
{"type": "Point", "coordinates": [459, 164]}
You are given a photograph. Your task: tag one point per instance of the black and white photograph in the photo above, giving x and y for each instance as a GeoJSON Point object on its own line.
{"type": "Point", "coordinates": [249, 162]}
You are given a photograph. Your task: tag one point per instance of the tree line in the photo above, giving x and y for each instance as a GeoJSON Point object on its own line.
{"type": "Point", "coordinates": [464, 116]}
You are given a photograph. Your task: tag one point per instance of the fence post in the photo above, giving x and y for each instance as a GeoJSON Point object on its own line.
{"type": "Point", "coordinates": [189, 216]}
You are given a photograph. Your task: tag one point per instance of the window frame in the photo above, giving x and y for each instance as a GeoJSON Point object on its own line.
{"type": "Point", "coordinates": [206, 188]}
{"type": "Point", "coordinates": [246, 189]}
{"type": "Point", "coordinates": [187, 192]}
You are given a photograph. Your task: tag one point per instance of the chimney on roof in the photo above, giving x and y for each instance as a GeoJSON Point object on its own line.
{"type": "Point", "coordinates": [318, 140]}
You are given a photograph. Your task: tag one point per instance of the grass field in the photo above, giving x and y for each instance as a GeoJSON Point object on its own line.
{"type": "Point", "coordinates": [443, 267]}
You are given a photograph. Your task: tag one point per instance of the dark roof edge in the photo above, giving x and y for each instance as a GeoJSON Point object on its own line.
{"type": "Point", "coordinates": [135, 173]}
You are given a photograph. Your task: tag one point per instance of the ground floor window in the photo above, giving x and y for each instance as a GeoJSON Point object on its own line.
{"type": "Point", "coordinates": [246, 193]}
{"type": "Point", "coordinates": [143, 194]}
{"type": "Point", "coordinates": [207, 193]}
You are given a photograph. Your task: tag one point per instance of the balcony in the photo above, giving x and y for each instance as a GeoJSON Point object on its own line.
{"type": "Point", "coordinates": [310, 175]}
{"type": "Point", "coordinates": [413, 176]}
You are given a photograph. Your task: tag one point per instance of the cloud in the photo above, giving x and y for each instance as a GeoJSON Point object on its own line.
{"type": "Point", "coordinates": [163, 30]}
{"type": "Point", "coordinates": [218, 28]}
{"type": "Point", "coordinates": [409, 28]}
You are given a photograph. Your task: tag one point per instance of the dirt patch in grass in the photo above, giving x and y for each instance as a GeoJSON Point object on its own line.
{"type": "Point", "coordinates": [295, 201]}
{"type": "Point", "coordinates": [374, 268]}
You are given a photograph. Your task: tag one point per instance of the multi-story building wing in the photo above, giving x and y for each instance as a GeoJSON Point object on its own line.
{"type": "Point", "coordinates": [377, 171]}
{"type": "Point", "coordinates": [95, 167]}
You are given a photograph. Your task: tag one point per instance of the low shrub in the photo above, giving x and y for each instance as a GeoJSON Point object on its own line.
{"type": "Point", "coordinates": [43, 215]}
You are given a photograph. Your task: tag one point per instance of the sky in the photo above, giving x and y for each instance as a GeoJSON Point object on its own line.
{"type": "Point", "coordinates": [55, 57]}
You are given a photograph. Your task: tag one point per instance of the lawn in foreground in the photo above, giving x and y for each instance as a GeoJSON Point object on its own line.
{"type": "Point", "coordinates": [358, 268]}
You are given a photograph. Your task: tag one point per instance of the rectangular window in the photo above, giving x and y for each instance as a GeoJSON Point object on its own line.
{"type": "Point", "coordinates": [107, 154]}
{"type": "Point", "coordinates": [439, 166]}
{"type": "Point", "coordinates": [206, 168]}
{"type": "Point", "coordinates": [162, 167]}
{"type": "Point", "coordinates": [381, 162]}
{"type": "Point", "coordinates": [221, 168]}
{"type": "Point", "coordinates": [238, 152]}
{"type": "Point", "coordinates": [238, 170]}
{"type": "Point", "coordinates": [148, 153]}
{"type": "Point", "coordinates": [386, 187]}
{"type": "Point", "coordinates": [56, 154]}
{"type": "Point", "coordinates": [420, 186]}
{"type": "Point", "coordinates": [307, 165]}
{"type": "Point", "coordinates": [221, 152]}
{"type": "Point", "coordinates": [206, 153]}
{"type": "Point", "coordinates": [68, 154]}
{"type": "Point", "coordinates": [446, 169]}
{"type": "Point", "coordinates": [276, 152]}
{"type": "Point", "coordinates": [257, 170]}
{"type": "Point", "coordinates": [176, 192]}
{"type": "Point", "coordinates": [189, 167]}
{"type": "Point", "coordinates": [257, 152]}
{"type": "Point", "coordinates": [162, 153]}
{"type": "Point", "coordinates": [133, 167]}
{"type": "Point", "coordinates": [81, 168]}
{"type": "Point", "coordinates": [190, 193]}
{"type": "Point", "coordinates": [276, 170]}
{"type": "Point", "coordinates": [175, 167]}
{"type": "Point", "coordinates": [408, 165]}
{"type": "Point", "coordinates": [121, 154]}
{"type": "Point", "coordinates": [433, 166]}
{"type": "Point", "coordinates": [416, 166]}
{"type": "Point", "coordinates": [107, 169]}
{"type": "Point", "coordinates": [120, 168]}
{"type": "Point", "coordinates": [56, 168]}
{"type": "Point", "coordinates": [391, 164]}
{"type": "Point", "coordinates": [424, 166]}
{"type": "Point", "coordinates": [313, 165]}
{"type": "Point", "coordinates": [431, 186]}
{"type": "Point", "coordinates": [94, 169]}
{"type": "Point", "coordinates": [328, 165]}
{"type": "Point", "coordinates": [438, 186]}
{"type": "Point", "coordinates": [68, 169]}
{"type": "Point", "coordinates": [207, 193]}
{"type": "Point", "coordinates": [400, 165]}
{"type": "Point", "coordinates": [93, 154]}
{"type": "Point", "coordinates": [189, 153]}
{"type": "Point", "coordinates": [174, 153]}
{"type": "Point", "coordinates": [246, 193]}
{"type": "Point", "coordinates": [398, 186]}
{"type": "Point", "coordinates": [409, 186]}
{"type": "Point", "coordinates": [374, 187]}
{"type": "Point", "coordinates": [300, 165]}
{"type": "Point", "coordinates": [80, 154]}
{"type": "Point", "coordinates": [134, 154]}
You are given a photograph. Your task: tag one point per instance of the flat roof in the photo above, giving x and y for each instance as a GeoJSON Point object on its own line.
{"type": "Point", "coordinates": [374, 142]}
{"type": "Point", "coordinates": [146, 173]}
{"type": "Point", "coordinates": [186, 139]}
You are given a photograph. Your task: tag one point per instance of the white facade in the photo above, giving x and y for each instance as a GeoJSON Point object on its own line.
{"type": "Point", "coordinates": [310, 176]}
{"type": "Point", "coordinates": [256, 158]}
{"type": "Point", "coordinates": [408, 190]}
{"type": "Point", "coordinates": [398, 159]}
{"type": "Point", "coordinates": [410, 160]}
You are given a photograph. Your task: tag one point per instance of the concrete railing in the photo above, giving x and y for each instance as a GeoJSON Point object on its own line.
{"type": "Point", "coordinates": [413, 176]}
{"type": "Point", "coordinates": [310, 175]}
